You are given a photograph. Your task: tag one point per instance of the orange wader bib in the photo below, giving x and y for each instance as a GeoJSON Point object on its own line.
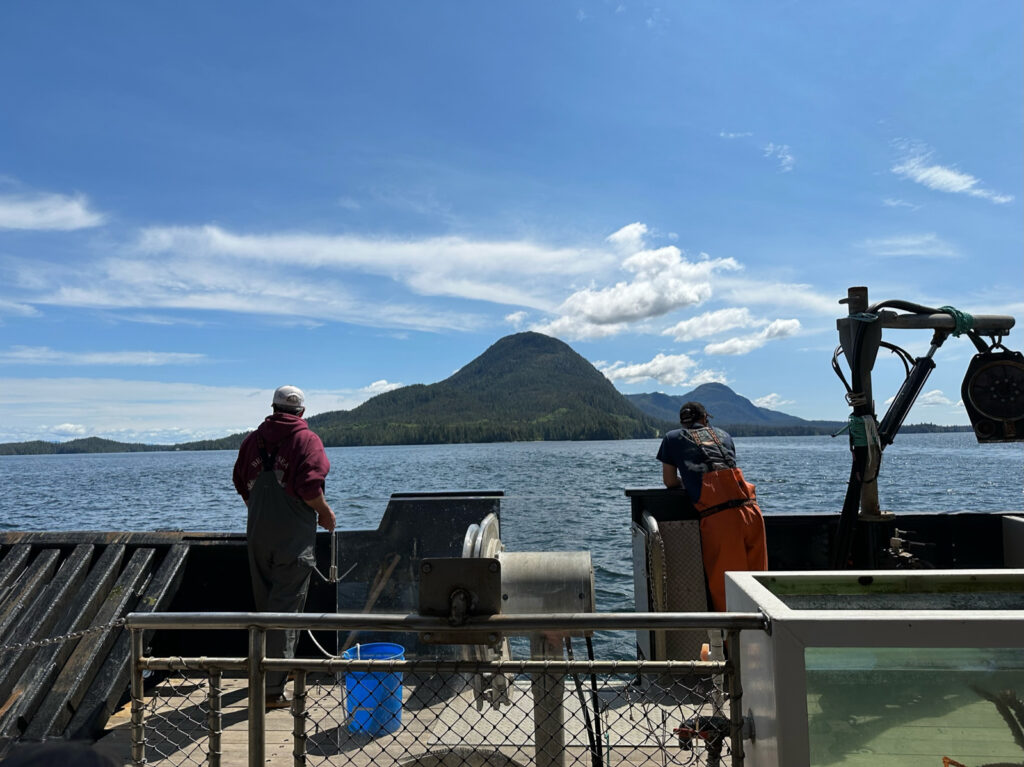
{"type": "Point", "coordinates": [731, 529]}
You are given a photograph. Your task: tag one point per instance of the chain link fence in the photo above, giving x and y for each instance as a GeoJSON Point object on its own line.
{"type": "Point", "coordinates": [550, 712]}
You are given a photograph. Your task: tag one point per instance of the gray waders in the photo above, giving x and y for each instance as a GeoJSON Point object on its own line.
{"type": "Point", "coordinates": [281, 531]}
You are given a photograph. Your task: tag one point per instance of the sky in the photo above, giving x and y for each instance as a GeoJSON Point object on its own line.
{"type": "Point", "coordinates": [200, 202]}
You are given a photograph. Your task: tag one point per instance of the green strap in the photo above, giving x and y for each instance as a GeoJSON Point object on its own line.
{"type": "Point", "coordinates": [963, 321]}
{"type": "Point", "coordinates": [858, 429]}
{"type": "Point", "coordinates": [858, 434]}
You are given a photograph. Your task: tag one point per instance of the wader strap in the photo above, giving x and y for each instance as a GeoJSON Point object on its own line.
{"type": "Point", "coordinates": [727, 505]}
{"type": "Point", "coordinates": [267, 458]}
{"type": "Point", "coordinates": [708, 461]}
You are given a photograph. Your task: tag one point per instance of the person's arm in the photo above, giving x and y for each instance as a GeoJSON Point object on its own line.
{"type": "Point", "coordinates": [324, 515]}
{"type": "Point", "coordinates": [670, 476]}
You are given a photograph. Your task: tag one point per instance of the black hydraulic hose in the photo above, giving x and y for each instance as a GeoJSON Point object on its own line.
{"type": "Point", "coordinates": [851, 508]}
{"type": "Point", "coordinates": [907, 306]}
{"type": "Point", "coordinates": [597, 706]}
{"type": "Point", "coordinates": [595, 760]}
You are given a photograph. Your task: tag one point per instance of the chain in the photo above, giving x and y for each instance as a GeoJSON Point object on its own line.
{"type": "Point", "coordinates": [73, 636]}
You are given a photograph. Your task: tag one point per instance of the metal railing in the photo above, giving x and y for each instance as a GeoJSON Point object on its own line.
{"type": "Point", "coordinates": [551, 712]}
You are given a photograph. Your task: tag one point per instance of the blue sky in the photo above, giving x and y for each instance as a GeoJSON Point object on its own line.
{"type": "Point", "coordinates": [202, 201]}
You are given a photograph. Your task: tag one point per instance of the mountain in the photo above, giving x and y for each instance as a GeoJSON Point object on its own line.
{"type": "Point", "coordinates": [526, 386]}
{"type": "Point", "coordinates": [729, 410]}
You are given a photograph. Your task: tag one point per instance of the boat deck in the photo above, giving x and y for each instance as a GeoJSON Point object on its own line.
{"type": "Point", "coordinates": [635, 730]}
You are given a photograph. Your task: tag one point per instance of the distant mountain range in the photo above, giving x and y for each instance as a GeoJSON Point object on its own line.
{"type": "Point", "coordinates": [525, 387]}
{"type": "Point", "coordinates": [730, 411]}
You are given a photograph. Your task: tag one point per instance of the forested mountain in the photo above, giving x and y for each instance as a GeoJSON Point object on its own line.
{"type": "Point", "coordinates": [730, 411]}
{"type": "Point", "coordinates": [526, 386]}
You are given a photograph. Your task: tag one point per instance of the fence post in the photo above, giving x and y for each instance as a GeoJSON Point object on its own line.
{"type": "Point", "coordinates": [548, 716]}
{"type": "Point", "coordinates": [257, 696]}
{"type": "Point", "coordinates": [138, 700]}
{"type": "Point", "coordinates": [736, 717]}
{"type": "Point", "coordinates": [299, 719]}
{"type": "Point", "coordinates": [214, 720]}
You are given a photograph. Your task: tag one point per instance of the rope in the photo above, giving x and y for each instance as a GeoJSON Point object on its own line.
{"type": "Point", "coordinates": [963, 321]}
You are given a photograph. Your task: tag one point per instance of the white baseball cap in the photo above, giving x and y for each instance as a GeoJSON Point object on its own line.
{"type": "Point", "coordinates": [289, 397]}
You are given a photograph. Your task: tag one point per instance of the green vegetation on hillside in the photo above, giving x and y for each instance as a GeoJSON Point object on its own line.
{"type": "Point", "coordinates": [525, 387]}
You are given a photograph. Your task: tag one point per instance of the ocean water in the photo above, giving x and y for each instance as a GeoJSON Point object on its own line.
{"type": "Point", "coordinates": [560, 496]}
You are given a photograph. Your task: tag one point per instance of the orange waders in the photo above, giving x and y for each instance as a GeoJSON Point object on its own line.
{"type": "Point", "coordinates": [731, 529]}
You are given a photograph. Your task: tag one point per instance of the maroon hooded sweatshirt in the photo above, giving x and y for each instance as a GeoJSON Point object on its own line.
{"type": "Point", "coordinates": [301, 463]}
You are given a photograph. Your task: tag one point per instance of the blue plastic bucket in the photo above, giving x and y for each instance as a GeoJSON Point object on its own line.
{"type": "Point", "coordinates": [374, 698]}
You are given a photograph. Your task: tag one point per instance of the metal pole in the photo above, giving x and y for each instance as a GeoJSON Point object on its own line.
{"type": "Point", "coordinates": [215, 723]}
{"type": "Point", "coordinates": [138, 751]}
{"type": "Point", "coordinates": [525, 623]}
{"type": "Point", "coordinates": [257, 696]}
{"type": "Point", "coordinates": [299, 719]}
{"type": "Point", "coordinates": [548, 715]}
{"type": "Point", "coordinates": [732, 643]}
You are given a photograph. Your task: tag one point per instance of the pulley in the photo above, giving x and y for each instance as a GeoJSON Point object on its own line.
{"type": "Point", "coordinates": [993, 395]}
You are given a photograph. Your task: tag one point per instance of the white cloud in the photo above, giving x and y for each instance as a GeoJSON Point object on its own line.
{"type": "Point", "coordinates": [578, 328]}
{"type": "Point", "coordinates": [67, 430]}
{"type": "Point", "coordinates": [47, 212]}
{"type": "Point", "coordinates": [710, 323]}
{"type": "Point", "coordinates": [727, 135]}
{"type": "Point", "coordinates": [667, 369]}
{"type": "Point", "coordinates": [148, 411]}
{"type": "Point", "coordinates": [916, 165]}
{"type": "Point", "coordinates": [663, 281]}
{"type": "Point", "coordinates": [889, 202]}
{"type": "Point", "coordinates": [630, 238]}
{"type": "Point", "coordinates": [43, 355]}
{"type": "Point", "coordinates": [17, 308]}
{"type": "Point", "coordinates": [791, 296]}
{"type": "Point", "coordinates": [918, 245]}
{"type": "Point", "coordinates": [314, 277]}
{"type": "Point", "coordinates": [934, 398]}
{"type": "Point", "coordinates": [772, 401]}
{"type": "Point", "coordinates": [516, 319]}
{"type": "Point", "coordinates": [783, 154]}
{"type": "Point", "coordinates": [745, 344]}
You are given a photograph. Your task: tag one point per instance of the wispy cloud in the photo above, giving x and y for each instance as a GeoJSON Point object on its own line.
{"type": "Point", "coordinates": [316, 277]}
{"type": "Point", "coordinates": [782, 295]}
{"type": "Point", "coordinates": [43, 355]}
{"type": "Point", "coordinates": [919, 245]}
{"type": "Point", "coordinates": [17, 308]}
{"type": "Point", "coordinates": [890, 202]}
{"type": "Point", "coordinates": [47, 212]}
{"type": "Point", "coordinates": [710, 323]}
{"type": "Point", "coordinates": [772, 401]}
{"type": "Point", "coordinates": [148, 411]}
{"type": "Point", "coordinates": [667, 369]}
{"type": "Point", "coordinates": [916, 165]}
{"type": "Point", "coordinates": [746, 344]}
{"type": "Point", "coordinates": [783, 154]}
{"type": "Point", "coordinates": [730, 136]}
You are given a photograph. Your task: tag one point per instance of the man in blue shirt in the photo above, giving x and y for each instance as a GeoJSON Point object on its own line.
{"type": "Point", "coordinates": [702, 460]}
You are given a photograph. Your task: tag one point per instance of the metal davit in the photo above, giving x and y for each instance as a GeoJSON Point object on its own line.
{"type": "Point", "coordinates": [993, 389]}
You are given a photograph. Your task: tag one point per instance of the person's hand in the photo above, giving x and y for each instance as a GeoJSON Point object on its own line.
{"type": "Point", "coordinates": [326, 519]}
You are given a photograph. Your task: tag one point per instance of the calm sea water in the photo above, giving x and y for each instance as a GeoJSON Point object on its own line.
{"type": "Point", "coordinates": [561, 496]}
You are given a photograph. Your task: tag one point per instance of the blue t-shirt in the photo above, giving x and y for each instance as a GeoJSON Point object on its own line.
{"type": "Point", "coordinates": [695, 452]}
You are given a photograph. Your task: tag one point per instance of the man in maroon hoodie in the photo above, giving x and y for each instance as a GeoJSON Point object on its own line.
{"type": "Point", "coordinates": [280, 473]}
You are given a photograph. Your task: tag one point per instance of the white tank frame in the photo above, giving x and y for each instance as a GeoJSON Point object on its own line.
{"type": "Point", "coordinates": [774, 671]}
